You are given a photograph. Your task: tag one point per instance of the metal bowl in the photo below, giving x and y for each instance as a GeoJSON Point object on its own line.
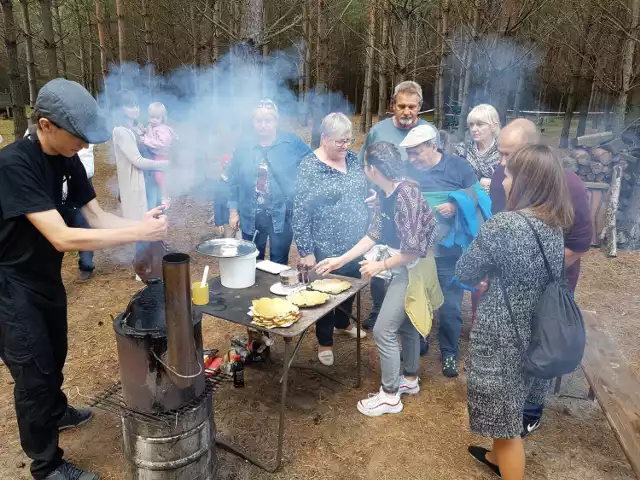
{"type": "Point", "coordinates": [226, 248]}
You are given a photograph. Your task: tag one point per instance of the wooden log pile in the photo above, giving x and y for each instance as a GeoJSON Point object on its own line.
{"type": "Point", "coordinates": [592, 165]}
{"type": "Point", "coordinates": [613, 163]}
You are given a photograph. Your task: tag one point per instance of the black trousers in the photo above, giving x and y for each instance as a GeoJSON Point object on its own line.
{"type": "Point", "coordinates": [337, 318]}
{"type": "Point", "coordinates": [33, 345]}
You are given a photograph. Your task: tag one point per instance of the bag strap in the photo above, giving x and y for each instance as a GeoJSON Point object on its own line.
{"type": "Point", "coordinates": [511, 317]}
{"type": "Point", "coordinates": [552, 277]}
{"type": "Point", "coordinates": [504, 292]}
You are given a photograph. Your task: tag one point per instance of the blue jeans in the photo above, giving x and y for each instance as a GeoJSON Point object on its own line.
{"type": "Point", "coordinates": [75, 219]}
{"type": "Point", "coordinates": [220, 207]}
{"type": "Point", "coordinates": [451, 310]}
{"type": "Point", "coordinates": [154, 195]}
{"type": "Point", "coordinates": [337, 318]}
{"type": "Point", "coordinates": [279, 243]}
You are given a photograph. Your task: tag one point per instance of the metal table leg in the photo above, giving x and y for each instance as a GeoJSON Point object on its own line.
{"type": "Point", "coordinates": [283, 402]}
{"type": "Point", "coordinates": [358, 339]}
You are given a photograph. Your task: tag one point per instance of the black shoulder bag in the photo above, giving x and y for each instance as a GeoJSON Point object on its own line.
{"type": "Point", "coordinates": [558, 334]}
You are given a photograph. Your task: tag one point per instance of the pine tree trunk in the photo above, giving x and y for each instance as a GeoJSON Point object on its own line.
{"type": "Point", "coordinates": [121, 31]}
{"type": "Point", "coordinates": [365, 114]}
{"type": "Point", "coordinates": [444, 32]}
{"type": "Point", "coordinates": [464, 110]}
{"type": "Point", "coordinates": [101, 39]}
{"type": "Point", "coordinates": [584, 109]}
{"type": "Point", "coordinates": [308, 50]}
{"type": "Point", "coordinates": [252, 25]}
{"type": "Point", "coordinates": [322, 48]}
{"type": "Point", "coordinates": [92, 66]}
{"type": "Point", "coordinates": [63, 56]}
{"type": "Point", "coordinates": [568, 113]}
{"type": "Point", "coordinates": [517, 101]}
{"type": "Point", "coordinates": [148, 39]}
{"type": "Point", "coordinates": [462, 71]}
{"type": "Point", "coordinates": [31, 64]}
{"type": "Point", "coordinates": [403, 49]}
{"type": "Point", "coordinates": [81, 39]}
{"type": "Point", "coordinates": [383, 99]}
{"type": "Point", "coordinates": [235, 7]}
{"type": "Point", "coordinates": [48, 38]}
{"type": "Point", "coordinates": [628, 49]}
{"type": "Point", "coordinates": [15, 86]}
{"type": "Point", "coordinates": [217, 34]}
{"type": "Point", "coordinates": [415, 53]}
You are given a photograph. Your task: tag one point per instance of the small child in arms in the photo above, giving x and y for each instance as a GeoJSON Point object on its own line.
{"type": "Point", "coordinates": [158, 137]}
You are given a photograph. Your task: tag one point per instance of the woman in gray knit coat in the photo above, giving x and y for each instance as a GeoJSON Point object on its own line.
{"type": "Point", "coordinates": [506, 250]}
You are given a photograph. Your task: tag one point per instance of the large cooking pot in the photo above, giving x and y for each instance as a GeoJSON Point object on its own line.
{"type": "Point", "coordinates": [236, 258]}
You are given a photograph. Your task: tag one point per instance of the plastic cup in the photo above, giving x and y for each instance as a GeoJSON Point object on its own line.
{"type": "Point", "coordinates": [200, 294]}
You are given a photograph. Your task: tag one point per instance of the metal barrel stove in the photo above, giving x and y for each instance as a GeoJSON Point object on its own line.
{"type": "Point", "coordinates": [172, 434]}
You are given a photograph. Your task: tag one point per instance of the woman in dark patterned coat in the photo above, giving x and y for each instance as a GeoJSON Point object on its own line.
{"type": "Point", "coordinates": [506, 250]}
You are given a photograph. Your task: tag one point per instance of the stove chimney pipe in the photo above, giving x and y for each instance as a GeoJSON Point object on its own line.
{"type": "Point", "coordinates": [183, 365]}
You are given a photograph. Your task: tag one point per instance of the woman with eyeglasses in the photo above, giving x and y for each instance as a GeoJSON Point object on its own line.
{"type": "Point", "coordinates": [330, 216]}
{"type": "Point", "coordinates": [261, 183]}
{"type": "Point", "coordinates": [405, 227]}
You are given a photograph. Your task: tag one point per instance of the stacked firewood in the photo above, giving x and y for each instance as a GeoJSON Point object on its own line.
{"type": "Point", "coordinates": [610, 162]}
{"type": "Point", "coordinates": [592, 165]}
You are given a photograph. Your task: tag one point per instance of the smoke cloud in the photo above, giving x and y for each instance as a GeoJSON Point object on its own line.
{"type": "Point", "coordinates": [210, 107]}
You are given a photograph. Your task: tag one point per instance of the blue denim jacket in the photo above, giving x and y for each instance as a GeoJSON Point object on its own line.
{"type": "Point", "coordinates": [284, 156]}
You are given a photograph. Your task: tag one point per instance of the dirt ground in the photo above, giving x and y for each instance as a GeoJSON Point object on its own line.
{"type": "Point", "coordinates": [326, 437]}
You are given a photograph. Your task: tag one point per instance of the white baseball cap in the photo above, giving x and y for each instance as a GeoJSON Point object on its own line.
{"type": "Point", "coordinates": [418, 135]}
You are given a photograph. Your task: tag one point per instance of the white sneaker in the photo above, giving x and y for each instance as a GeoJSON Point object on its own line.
{"type": "Point", "coordinates": [407, 387]}
{"type": "Point", "coordinates": [352, 332]}
{"type": "Point", "coordinates": [380, 403]}
{"type": "Point", "coordinates": [326, 357]}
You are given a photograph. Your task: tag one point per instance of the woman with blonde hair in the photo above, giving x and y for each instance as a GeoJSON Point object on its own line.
{"type": "Point", "coordinates": [511, 249]}
{"type": "Point", "coordinates": [482, 151]}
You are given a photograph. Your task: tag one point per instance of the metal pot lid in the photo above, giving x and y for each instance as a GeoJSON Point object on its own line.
{"type": "Point", "coordinates": [226, 248]}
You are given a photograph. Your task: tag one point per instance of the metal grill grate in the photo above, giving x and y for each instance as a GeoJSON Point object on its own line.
{"type": "Point", "coordinates": [111, 400]}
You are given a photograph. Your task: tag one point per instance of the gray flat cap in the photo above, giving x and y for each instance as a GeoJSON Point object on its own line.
{"type": "Point", "coordinates": [71, 107]}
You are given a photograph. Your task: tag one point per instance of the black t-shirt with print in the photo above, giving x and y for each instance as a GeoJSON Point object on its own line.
{"type": "Point", "coordinates": [31, 182]}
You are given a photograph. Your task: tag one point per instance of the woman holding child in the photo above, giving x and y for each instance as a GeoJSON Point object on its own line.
{"type": "Point", "coordinates": [406, 226]}
{"type": "Point", "coordinates": [130, 164]}
{"type": "Point", "coordinates": [507, 250]}
{"type": "Point", "coordinates": [131, 167]}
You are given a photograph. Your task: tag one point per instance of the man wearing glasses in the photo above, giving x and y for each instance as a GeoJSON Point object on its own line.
{"type": "Point", "coordinates": [41, 180]}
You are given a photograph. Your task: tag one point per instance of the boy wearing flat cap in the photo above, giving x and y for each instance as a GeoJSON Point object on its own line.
{"type": "Point", "coordinates": [41, 179]}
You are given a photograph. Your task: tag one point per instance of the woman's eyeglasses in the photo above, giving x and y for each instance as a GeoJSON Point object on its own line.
{"type": "Point", "coordinates": [344, 142]}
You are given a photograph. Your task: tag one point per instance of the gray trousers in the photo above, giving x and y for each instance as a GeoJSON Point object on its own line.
{"type": "Point", "coordinates": [393, 322]}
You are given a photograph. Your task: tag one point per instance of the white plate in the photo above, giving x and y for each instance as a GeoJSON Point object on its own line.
{"type": "Point", "coordinates": [271, 267]}
{"type": "Point", "coordinates": [278, 289]}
